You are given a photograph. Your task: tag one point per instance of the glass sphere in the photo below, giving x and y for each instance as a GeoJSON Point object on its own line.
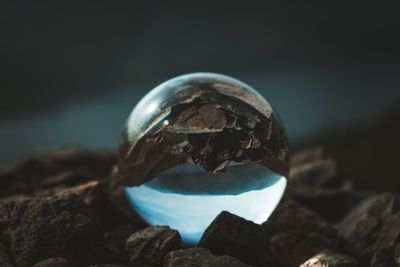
{"type": "Point", "coordinates": [199, 144]}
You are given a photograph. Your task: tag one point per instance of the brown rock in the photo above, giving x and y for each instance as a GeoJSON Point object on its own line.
{"type": "Point", "coordinates": [151, 244]}
{"type": "Point", "coordinates": [293, 248]}
{"type": "Point", "coordinates": [328, 258]}
{"type": "Point", "coordinates": [306, 156]}
{"type": "Point", "coordinates": [373, 225]}
{"type": "Point", "coordinates": [115, 243]}
{"type": "Point", "coordinates": [397, 255]}
{"type": "Point", "coordinates": [291, 216]}
{"type": "Point", "coordinates": [321, 173]}
{"type": "Point", "coordinates": [332, 204]}
{"type": "Point", "coordinates": [62, 168]}
{"type": "Point", "coordinates": [298, 233]}
{"type": "Point", "coordinates": [5, 259]}
{"type": "Point", "coordinates": [53, 262]}
{"type": "Point", "coordinates": [383, 258]}
{"type": "Point", "coordinates": [199, 257]}
{"type": "Point", "coordinates": [235, 236]}
{"type": "Point", "coordinates": [37, 229]}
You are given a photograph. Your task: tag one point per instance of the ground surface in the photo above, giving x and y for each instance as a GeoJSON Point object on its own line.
{"type": "Point", "coordinates": [61, 208]}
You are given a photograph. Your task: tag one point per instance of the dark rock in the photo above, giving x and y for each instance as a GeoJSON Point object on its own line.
{"type": "Point", "coordinates": [328, 258]}
{"type": "Point", "coordinates": [383, 258]}
{"type": "Point", "coordinates": [54, 169]}
{"type": "Point", "coordinates": [103, 203]}
{"type": "Point", "coordinates": [5, 259]}
{"type": "Point", "coordinates": [235, 236]}
{"type": "Point", "coordinates": [37, 229]}
{"type": "Point", "coordinates": [306, 156]}
{"type": "Point", "coordinates": [332, 204]}
{"type": "Point", "coordinates": [53, 262]}
{"type": "Point", "coordinates": [115, 243]}
{"type": "Point", "coordinates": [322, 173]}
{"type": "Point", "coordinates": [293, 248]}
{"type": "Point", "coordinates": [397, 255]}
{"type": "Point", "coordinates": [290, 216]}
{"type": "Point", "coordinates": [151, 244]}
{"type": "Point", "coordinates": [298, 233]}
{"type": "Point", "coordinates": [373, 225]}
{"type": "Point", "coordinates": [116, 265]}
{"type": "Point", "coordinates": [199, 257]}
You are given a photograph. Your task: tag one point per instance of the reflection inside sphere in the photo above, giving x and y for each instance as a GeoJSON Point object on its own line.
{"type": "Point", "coordinates": [199, 144]}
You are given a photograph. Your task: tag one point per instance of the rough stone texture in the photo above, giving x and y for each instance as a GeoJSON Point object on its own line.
{"type": "Point", "coordinates": [328, 258]}
{"type": "Point", "coordinates": [321, 172]}
{"type": "Point", "coordinates": [116, 265]}
{"type": "Point", "coordinates": [290, 216]}
{"type": "Point", "coordinates": [105, 205]}
{"type": "Point", "coordinates": [53, 262]}
{"type": "Point", "coordinates": [37, 229]}
{"type": "Point", "coordinates": [397, 255]}
{"type": "Point", "coordinates": [373, 225]}
{"type": "Point", "coordinates": [332, 204]}
{"type": "Point", "coordinates": [383, 258]}
{"type": "Point", "coordinates": [199, 257]}
{"type": "Point", "coordinates": [297, 233]}
{"type": "Point", "coordinates": [151, 244]}
{"type": "Point", "coordinates": [315, 182]}
{"type": "Point", "coordinates": [293, 248]}
{"type": "Point", "coordinates": [54, 170]}
{"type": "Point", "coordinates": [306, 156]}
{"type": "Point", "coordinates": [115, 243]}
{"type": "Point", "coordinates": [210, 123]}
{"type": "Point", "coordinates": [235, 236]}
{"type": "Point", "coordinates": [5, 259]}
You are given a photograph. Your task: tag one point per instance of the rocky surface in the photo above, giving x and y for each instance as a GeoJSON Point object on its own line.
{"type": "Point", "coordinates": [331, 259]}
{"type": "Point", "coordinates": [149, 245]}
{"type": "Point", "coordinates": [232, 235]}
{"type": "Point", "coordinates": [62, 208]}
{"type": "Point", "coordinates": [53, 262]}
{"type": "Point", "coordinates": [36, 229]}
{"type": "Point", "coordinates": [199, 257]}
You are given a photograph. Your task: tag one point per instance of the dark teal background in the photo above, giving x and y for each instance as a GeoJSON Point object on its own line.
{"type": "Point", "coordinates": [70, 72]}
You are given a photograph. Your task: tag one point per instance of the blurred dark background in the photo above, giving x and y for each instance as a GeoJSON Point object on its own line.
{"type": "Point", "coordinates": [70, 72]}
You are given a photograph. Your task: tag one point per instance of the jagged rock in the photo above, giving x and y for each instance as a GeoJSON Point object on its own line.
{"type": "Point", "coordinates": [383, 258]}
{"type": "Point", "coordinates": [306, 156]}
{"type": "Point", "coordinates": [328, 258]}
{"type": "Point", "coordinates": [235, 236]}
{"type": "Point", "coordinates": [293, 248]}
{"type": "Point", "coordinates": [332, 204]}
{"type": "Point", "coordinates": [149, 245]}
{"type": "Point", "coordinates": [373, 225]}
{"type": "Point", "coordinates": [37, 229]}
{"type": "Point", "coordinates": [115, 243]}
{"type": "Point", "coordinates": [290, 216]}
{"type": "Point", "coordinates": [47, 172]}
{"type": "Point", "coordinates": [319, 173]}
{"type": "Point", "coordinates": [200, 257]}
{"type": "Point", "coordinates": [297, 233]}
{"type": "Point", "coordinates": [397, 255]}
{"type": "Point", "coordinates": [103, 203]}
{"type": "Point", "coordinates": [5, 259]}
{"type": "Point", "coordinates": [53, 262]}
{"type": "Point", "coordinates": [116, 265]}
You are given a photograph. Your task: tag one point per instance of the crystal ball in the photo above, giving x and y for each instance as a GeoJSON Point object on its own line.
{"type": "Point", "coordinates": [199, 144]}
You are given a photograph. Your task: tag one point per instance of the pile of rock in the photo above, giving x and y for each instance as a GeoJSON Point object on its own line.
{"type": "Point", "coordinates": [60, 209]}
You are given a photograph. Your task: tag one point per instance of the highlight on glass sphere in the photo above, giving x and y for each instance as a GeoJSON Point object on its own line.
{"type": "Point", "coordinates": [199, 144]}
